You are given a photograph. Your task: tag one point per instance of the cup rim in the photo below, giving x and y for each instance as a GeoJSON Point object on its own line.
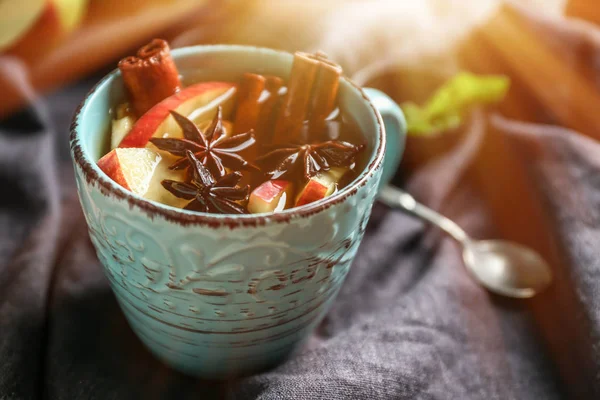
{"type": "Point", "coordinates": [94, 175]}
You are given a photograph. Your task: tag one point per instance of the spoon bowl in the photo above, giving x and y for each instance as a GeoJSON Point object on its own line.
{"type": "Point", "coordinates": [507, 268]}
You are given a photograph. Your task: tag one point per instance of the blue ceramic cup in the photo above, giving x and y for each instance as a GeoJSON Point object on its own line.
{"type": "Point", "coordinates": [222, 295]}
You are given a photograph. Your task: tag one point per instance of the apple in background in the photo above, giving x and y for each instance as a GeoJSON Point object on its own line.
{"type": "Point", "coordinates": [271, 196]}
{"type": "Point", "coordinates": [198, 102]}
{"type": "Point", "coordinates": [71, 12]}
{"type": "Point", "coordinates": [141, 171]}
{"type": "Point", "coordinates": [320, 186]}
{"type": "Point", "coordinates": [57, 19]}
{"type": "Point", "coordinates": [16, 18]}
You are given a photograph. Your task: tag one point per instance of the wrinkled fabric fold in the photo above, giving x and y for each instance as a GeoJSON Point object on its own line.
{"type": "Point", "coordinates": [29, 222]}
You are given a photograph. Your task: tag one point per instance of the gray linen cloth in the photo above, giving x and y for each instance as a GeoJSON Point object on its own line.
{"type": "Point", "coordinates": [408, 323]}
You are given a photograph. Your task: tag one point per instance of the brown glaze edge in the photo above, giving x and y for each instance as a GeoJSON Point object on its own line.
{"type": "Point", "coordinates": [152, 210]}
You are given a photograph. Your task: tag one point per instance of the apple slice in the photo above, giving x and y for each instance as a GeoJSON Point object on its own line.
{"type": "Point", "coordinates": [141, 171]}
{"type": "Point", "coordinates": [271, 196]}
{"type": "Point", "coordinates": [131, 168]}
{"type": "Point", "coordinates": [320, 186]}
{"type": "Point", "coordinates": [120, 128]}
{"type": "Point", "coordinates": [198, 102]}
{"type": "Point", "coordinates": [156, 191]}
{"type": "Point", "coordinates": [16, 18]}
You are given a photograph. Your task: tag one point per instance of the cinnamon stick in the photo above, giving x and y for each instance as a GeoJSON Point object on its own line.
{"type": "Point", "coordinates": [150, 76]}
{"type": "Point", "coordinates": [268, 109]}
{"type": "Point", "coordinates": [294, 108]}
{"type": "Point", "coordinates": [324, 94]}
{"type": "Point", "coordinates": [248, 109]}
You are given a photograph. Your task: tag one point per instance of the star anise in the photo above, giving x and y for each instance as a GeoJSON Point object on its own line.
{"type": "Point", "coordinates": [308, 159]}
{"type": "Point", "coordinates": [209, 194]}
{"type": "Point", "coordinates": [215, 150]}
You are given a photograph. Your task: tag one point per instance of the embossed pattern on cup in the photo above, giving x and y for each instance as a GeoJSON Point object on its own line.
{"type": "Point", "coordinates": [216, 296]}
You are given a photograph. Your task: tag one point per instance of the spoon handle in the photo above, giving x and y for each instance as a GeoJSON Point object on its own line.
{"type": "Point", "coordinates": [394, 197]}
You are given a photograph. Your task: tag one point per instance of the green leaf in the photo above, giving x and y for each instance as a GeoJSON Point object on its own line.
{"type": "Point", "coordinates": [449, 105]}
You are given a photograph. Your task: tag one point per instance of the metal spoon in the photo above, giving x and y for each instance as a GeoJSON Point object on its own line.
{"type": "Point", "coordinates": [506, 268]}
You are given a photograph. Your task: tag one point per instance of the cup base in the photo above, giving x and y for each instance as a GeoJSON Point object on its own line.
{"type": "Point", "coordinates": [224, 370]}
